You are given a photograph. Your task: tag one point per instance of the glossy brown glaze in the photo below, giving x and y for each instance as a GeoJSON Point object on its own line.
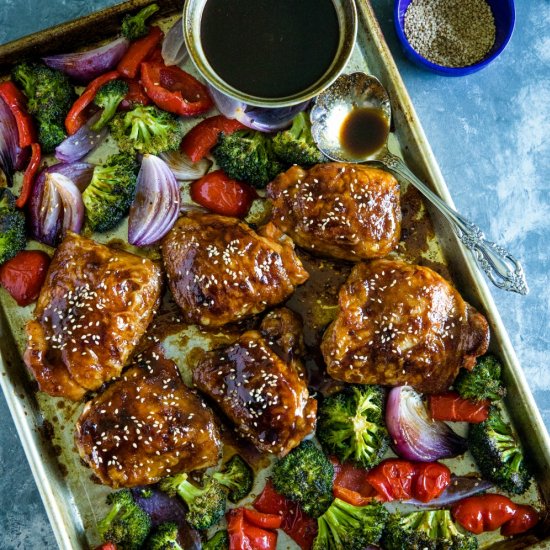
{"type": "Point", "coordinates": [146, 426]}
{"type": "Point", "coordinates": [94, 307]}
{"type": "Point", "coordinates": [265, 397]}
{"type": "Point", "coordinates": [220, 270]}
{"type": "Point", "coordinates": [342, 211]}
{"type": "Point", "coordinates": [402, 324]}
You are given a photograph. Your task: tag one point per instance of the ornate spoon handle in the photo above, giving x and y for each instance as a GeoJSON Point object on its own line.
{"type": "Point", "coordinates": [502, 269]}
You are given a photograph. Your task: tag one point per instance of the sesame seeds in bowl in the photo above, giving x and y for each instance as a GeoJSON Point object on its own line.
{"type": "Point", "coordinates": [453, 37]}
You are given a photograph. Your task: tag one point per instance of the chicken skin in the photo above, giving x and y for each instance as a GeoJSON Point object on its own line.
{"type": "Point", "coordinates": [94, 307]}
{"type": "Point", "coordinates": [220, 270]}
{"type": "Point", "coordinates": [402, 324]}
{"type": "Point", "coordinates": [264, 394]}
{"type": "Point", "coordinates": [146, 426]}
{"type": "Point", "coordinates": [337, 210]}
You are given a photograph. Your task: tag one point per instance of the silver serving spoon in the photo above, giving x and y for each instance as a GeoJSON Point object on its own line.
{"type": "Point", "coordinates": [361, 90]}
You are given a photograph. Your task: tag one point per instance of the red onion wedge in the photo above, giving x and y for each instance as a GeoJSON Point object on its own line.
{"type": "Point", "coordinates": [256, 118]}
{"type": "Point", "coordinates": [84, 141]}
{"type": "Point", "coordinates": [183, 168]}
{"type": "Point", "coordinates": [71, 199]}
{"type": "Point", "coordinates": [46, 209]}
{"type": "Point", "coordinates": [9, 138]}
{"type": "Point", "coordinates": [414, 434]}
{"type": "Point", "coordinates": [156, 204]}
{"type": "Point", "coordinates": [174, 51]}
{"type": "Point", "coordinates": [84, 66]}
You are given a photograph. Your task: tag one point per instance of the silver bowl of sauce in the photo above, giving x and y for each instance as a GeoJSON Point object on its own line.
{"type": "Point", "coordinates": [270, 53]}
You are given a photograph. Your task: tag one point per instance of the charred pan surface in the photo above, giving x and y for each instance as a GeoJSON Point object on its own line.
{"type": "Point", "coordinates": [220, 270]}
{"type": "Point", "coordinates": [343, 211]}
{"type": "Point", "coordinates": [402, 324]}
{"type": "Point", "coordinates": [264, 395]}
{"type": "Point", "coordinates": [94, 307]}
{"type": "Point", "coordinates": [146, 426]}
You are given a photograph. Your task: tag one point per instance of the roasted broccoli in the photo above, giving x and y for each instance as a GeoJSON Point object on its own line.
{"type": "Point", "coordinates": [247, 156]}
{"type": "Point", "coordinates": [350, 425]}
{"type": "Point", "coordinates": [498, 453]}
{"type": "Point", "coordinates": [12, 227]}
{"type": "Point", "coordinates": [164, 537]}
{"type": "Point", "coordinates": [206, 504]}
{"type": "Point", "coordinates": [238, 477]}
{"type": "Point", "coordinates": [483, 382]}
{"type": "Point", "coordinates": [134, 26]}
{"type": "Point", "coordinates": [146, 130]}
{"type": "Point", "coordinates": [433, 530]}
{"type": "Point", "coordinates": [50, 96]}
{"type": "Point", "coordinates": [126, 524]}
{"type": "Point", "coordinates": [110, 192]}
{"type": "Point", "coordinates": [305, 475]}
{"type": "Point", "coordinates": [296, 145]}
{"type": "Point", "coordinates": [220, 541]}
{"type": "Point", "coordinates": [108, 97]}
{"type": "Point", "coordinates": [347, 527]}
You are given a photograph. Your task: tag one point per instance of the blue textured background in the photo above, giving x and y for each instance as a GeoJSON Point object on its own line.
{"type": "Point", "coordinates": [491, 135]}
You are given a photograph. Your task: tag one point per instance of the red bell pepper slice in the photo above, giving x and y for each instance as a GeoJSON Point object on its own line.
{"type": "Point", "coordinates": [136, 95]}
{"type": "Point", "coordinates": [453, 408]}
{"type": "Point", "coordinates": [30, 175]}
{"type": "Point", "coordinates": [138, 51]}
{"type": "Point", "coordinates": [351, 485]}
{"type": "Point", "coordinates": [482, 513]}
{"type": "Point", "coordinates": [244, 535]}
{"type": "Point", "coordinates": [76, 117]}
{"type": "Point", "coordinates": [260, 519]}
{"type": "Point", "coordinates": [17, 104]}
{"type": "Point", "coordinates": [198, 142]}
{"type": "Point", "coordinates": [174, 90]}
{"type": "Point", "coordinates": [525, 518]}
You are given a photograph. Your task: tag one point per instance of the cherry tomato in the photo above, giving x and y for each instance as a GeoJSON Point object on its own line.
{"type": "Point", "coordinates": [393, 479]}
{"type": "Point", "coordinates": [351, 485]}
{"type": "Point", "coordinates": [453, 408]}
{"type": "Point", "coordinates": [107, 546]}
{"type": "Point", "coordinates": [524, 519]}
{"type": "Point", "coordinates": [201, 138]}
{"type": "Point", "coordinates": [24, 275]}
{"type": "Point", "coordinates": [482, 513]}
{"type": "Point", "coordinates": [223, 195]}
{"type": "Point", "coordinates": [431, 479]}
{"type": "Point", "coordinates": [243, 535]}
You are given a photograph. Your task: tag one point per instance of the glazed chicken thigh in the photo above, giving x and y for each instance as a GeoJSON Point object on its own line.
{"type": "Point", "coordinates": [343, 211]}
{"type": "Point", "coordinates": [402, 324]}
{"type": "Point", "coordinates": [220, 270]}
{"type": "Point", "coordinates": [259, 383]}
{"type": "Point", "coordinates": [146, 426]}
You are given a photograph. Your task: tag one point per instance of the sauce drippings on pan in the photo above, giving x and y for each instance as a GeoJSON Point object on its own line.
{"type": "Point", "coordinates": [268, 48]}
{"type": "Point", "coordinates": [364, 131]}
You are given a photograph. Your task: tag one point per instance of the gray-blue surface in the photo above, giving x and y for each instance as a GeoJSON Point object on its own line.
{"type": "Point", "coordinates": [491, 135]}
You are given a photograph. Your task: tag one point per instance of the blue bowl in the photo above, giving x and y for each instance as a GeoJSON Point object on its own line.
{"type": "Point", "coordinates": [505, 16]}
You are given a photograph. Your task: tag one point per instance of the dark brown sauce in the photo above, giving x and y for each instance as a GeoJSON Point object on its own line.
{"type": "Point", "coordinates": [364, 131]}
{"type": "Point", "coordinates": [270, 48]}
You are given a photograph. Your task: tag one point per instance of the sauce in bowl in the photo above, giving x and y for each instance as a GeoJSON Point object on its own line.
{"type": "Point", "coordinates": [270, 48]}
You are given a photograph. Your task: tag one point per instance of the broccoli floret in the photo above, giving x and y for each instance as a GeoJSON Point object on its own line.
{"type": "Point", "coordinates": [259, 212]}
{"type": "Point", "coordinates": [247, 156]}
{"type": "Point", "coordinates": [109, 97]}
{"type": "Point", "coordinates": [146, 130]}
{"type": "Point", "coordinates": [109, 195]}
{"type": "Point", "coordinates": [50, 96]}
{"type": "Point", "coordinates": [498, 453]}
{"type": "Point", "coordinates": [350, 425]}
{"type": "Point", "coordinates": [431, 530]}
{"type": "Point", "coordinates": [296, 145]}
{"type": "Point", "coordinates": [164, 537]}
{"type": "Point", "coordinates": [206, 504]}
{"type": "Point", "coordinates": [305, 475]}
{"type": "Point", "coordinates": [238, 477]}
{"type": "Point", "coordinates": [126, 524]}
{"type": "Point", "coordinates": [483, 382]}
{"type": "Point", "coordinates": [220, 541]}
{"type": "Point", "coordinates": [347, 527]}
{"type": "Point", "coordinates": [134, 27]}
{"type": "Point", "coordinates": [12, 227]}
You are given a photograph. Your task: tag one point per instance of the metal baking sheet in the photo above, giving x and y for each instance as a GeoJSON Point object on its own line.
{"type": "Point", "coordinates": [45, 425]}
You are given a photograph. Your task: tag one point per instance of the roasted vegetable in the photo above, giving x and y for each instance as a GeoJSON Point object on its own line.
{"type": "Point", "coordinates": [164, 537]}
{"type": "Point", "coordinates": [237, 477]}
{"type": "Point", "coordinates": [135, 26]}
{"type": "Point", "coordinates": [109, 97]}
{"type": "Point", "coordinates": [220, 541]}
{"type": "Point", "coordinates": [483, 382]}
{"type": "Point", "coordinates": [12, 226]}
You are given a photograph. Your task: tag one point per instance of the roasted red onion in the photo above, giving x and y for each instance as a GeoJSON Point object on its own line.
{"type": "Point", "coordinates": [174, 51]}
{"type": "Point", "coordinates": [414, 434]}
{"type": "Point", "coordinates": [84, 66]}
{"type": "Point", "coordinates": [9, 137]}
{"type": "Point", "coordinates": [256, 118]}
{"type": "Point", "coordinates": [156, 205]}
{"type": "Point", "coordinates": [183, 168]}
{"type": "Point", "coordinates": [71, 199]}
{"type": "Point", "coordinates": [84, 141]}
